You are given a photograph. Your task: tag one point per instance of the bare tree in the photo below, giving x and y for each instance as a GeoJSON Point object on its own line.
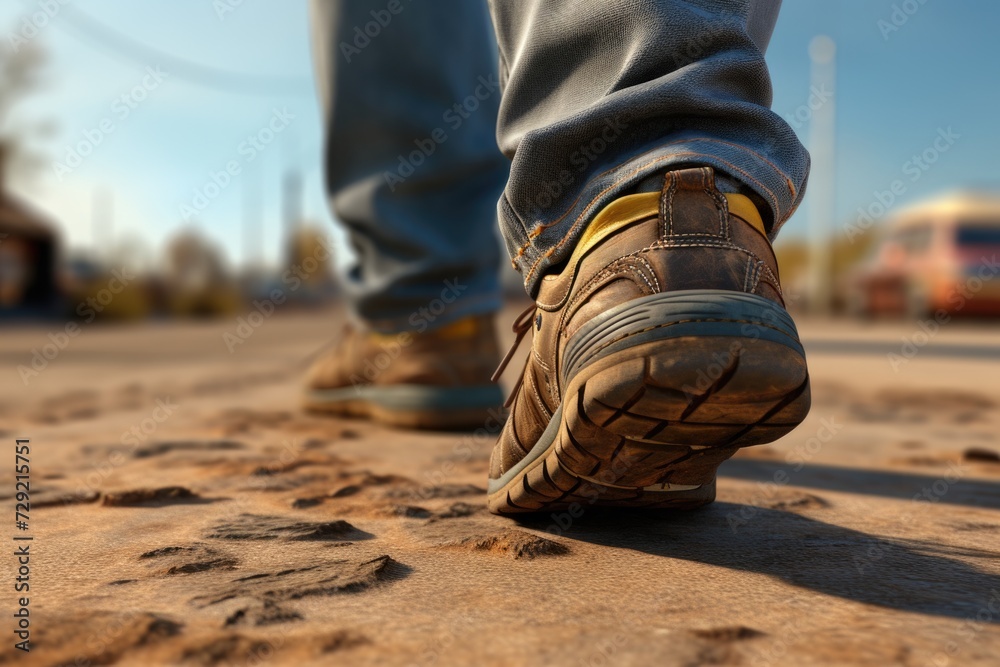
{"type": "Point", "coordinates": [21, 70]}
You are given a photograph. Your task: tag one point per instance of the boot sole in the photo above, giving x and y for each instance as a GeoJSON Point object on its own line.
{"type": "Point", "coordinates": [412, 406]}
{"type": "Point", "coordinates": [659, 392]}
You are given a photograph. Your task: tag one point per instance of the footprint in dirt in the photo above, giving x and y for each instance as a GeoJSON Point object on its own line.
{"type": "Point", "coordinates": [58, 497]}
{"type": "Point", "coordinates": [321, 578]}
{"type": "Point", "coordinates": [478, 532]}
{"type": "Point", "coordinates": [160, 497]}
{"type": "Point", "coordinates": [231, 648]}
{"type": "Point", "coordinates": [172, 560]}
{"type": "Point", "coordinates": [258, 527]}
{"type": "Point", "coordinates": [268, 612]}
{"type": "Point", "coordinates": [510, 543]}
{"type": "Point", "coordinates": [186, 446]}
{"type": "Point", "coordinates": [97, 637]}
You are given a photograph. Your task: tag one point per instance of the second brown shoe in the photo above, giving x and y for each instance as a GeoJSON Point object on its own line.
{"type": "Point", "coordinates": [437, 379]}
{"type": "Point", "coordinates": [661, 348]}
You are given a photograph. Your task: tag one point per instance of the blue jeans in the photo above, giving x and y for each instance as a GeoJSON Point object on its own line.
{"type": "Point", "coordinates": [597, 98]}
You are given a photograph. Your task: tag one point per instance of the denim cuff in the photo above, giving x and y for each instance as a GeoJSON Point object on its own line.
{"type": "Point", "coordinates": [433, 314]}
{"type": "Point", "coordinates": [539, 244]}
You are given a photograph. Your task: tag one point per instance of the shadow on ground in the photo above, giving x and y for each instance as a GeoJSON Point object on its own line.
{"type": "Point", "coordinates": [948, 488]}
{"type": "Point", "coordinates": [906, 575]}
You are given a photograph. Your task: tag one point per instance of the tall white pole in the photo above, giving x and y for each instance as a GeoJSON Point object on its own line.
{"type": "Point", "coordinates": [822, 140]}
{"type": "Point", "coordinates": [253, 226]}
{"type": "Point", "coordinates": [102, 221]}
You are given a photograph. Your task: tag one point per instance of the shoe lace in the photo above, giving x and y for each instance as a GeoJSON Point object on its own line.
{"type": "Point", "coordinates": [324, 348]}
{"type": "Point", "coordinates": [520, 328]}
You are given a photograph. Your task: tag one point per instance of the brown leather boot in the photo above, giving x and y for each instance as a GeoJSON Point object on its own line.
{"type": "Point", "coordinates": [439, 379]}
{"type": "Point", "coordinates": [661, 348]}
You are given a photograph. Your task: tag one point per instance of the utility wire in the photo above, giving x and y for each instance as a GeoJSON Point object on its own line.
{"type": "Point", "coordinates": [111, 39]}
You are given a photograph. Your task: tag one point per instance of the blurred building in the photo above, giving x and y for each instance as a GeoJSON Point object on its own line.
{"type": "Point", "coordinates": [28, 251]}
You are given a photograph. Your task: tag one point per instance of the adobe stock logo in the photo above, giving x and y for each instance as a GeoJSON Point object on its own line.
{"type": "Point", "coordinates": [224, 7]}
{"type": "Point", "coordinates": [899, 17]}
{"type": "Point", "coordinates": [32, 24]}
{"type": "Point", "coordinates": [454, 116]}
{"type": "Point", "coordinates": [219, 180]}
{"type": "Point", "coordinates": [915, 168]}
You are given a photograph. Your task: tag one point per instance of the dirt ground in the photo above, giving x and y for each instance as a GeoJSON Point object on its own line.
{"type": "Point", "coordinates": [185, 512]}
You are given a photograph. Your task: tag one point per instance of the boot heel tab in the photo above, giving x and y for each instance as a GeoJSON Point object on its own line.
{"type": "Point", "coordinates": [695, 191]}
{"type": "Point", "coordinates": [697, 178]}
{"type": "Point", "coordinates": [690, 204]}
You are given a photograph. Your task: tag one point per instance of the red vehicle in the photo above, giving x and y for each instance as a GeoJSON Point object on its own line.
{"type": "Point", "coordinates": [938, 258]}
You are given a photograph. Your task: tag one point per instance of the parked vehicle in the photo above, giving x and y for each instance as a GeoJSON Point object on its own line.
{"type": "Point", "coordinates": [935, 259]}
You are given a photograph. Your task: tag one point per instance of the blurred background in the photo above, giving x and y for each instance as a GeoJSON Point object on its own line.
{"type": "Point", "coordinates": [182, 144]}
{"type": "Point", "coordinates": [168, 268]}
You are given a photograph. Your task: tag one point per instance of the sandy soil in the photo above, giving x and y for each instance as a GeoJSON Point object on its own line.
{"type": "Point", "coordinates": [185, 512]}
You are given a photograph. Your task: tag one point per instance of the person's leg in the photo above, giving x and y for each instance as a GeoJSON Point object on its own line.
{"type": "Point", "coordinates": [413, 172]}
{"type": "Point", "coordinates": [648, 178]}
{"type": "Point", "coordinates": [599, 97]}
{"type": "Point", "coordinates": [411, 93]}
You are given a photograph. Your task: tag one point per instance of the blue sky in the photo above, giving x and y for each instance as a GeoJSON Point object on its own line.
{"type": "Point", "coordinates": [895, 91]}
